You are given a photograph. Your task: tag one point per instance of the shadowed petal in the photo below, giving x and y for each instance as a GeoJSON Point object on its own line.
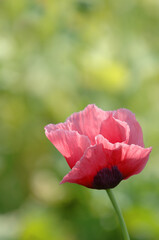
{"type": "Point", "coordinates": [84, 171]}
{"type": "Point", "coordinates": [70, 144]}
{"type": "Point", "coordinates": [88, 121]}
{"type": "Point", "coordinates": [136, 136]}
{"type": "Point", "coordinates": [115, 130]}
{"type": "Point", "coordinates": [90, 165]}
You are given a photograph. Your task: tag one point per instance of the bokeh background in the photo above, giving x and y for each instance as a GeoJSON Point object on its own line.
{"type": "Point", "coordinates": [57, 56]}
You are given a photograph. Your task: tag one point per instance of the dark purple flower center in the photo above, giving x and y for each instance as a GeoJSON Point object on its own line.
{"type": "Point", "coordinates": [107, 178]}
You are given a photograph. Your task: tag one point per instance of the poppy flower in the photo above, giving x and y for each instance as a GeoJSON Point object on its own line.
{"type": "Point", "coordinates": [101, 147]}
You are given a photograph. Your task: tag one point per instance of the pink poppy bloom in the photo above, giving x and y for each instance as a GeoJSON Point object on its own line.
{"type": "Point", "coordinates": [101, 147]}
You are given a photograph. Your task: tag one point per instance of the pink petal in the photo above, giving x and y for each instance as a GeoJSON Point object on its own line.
{"type": "Point", "coordinates": [95, 159]}
{"type": "Point", "coordinates": [70, 144]}
{"type": "Point", "coordinates": [130, 159]}
{"type": "Point", "coordinates": [125, 160]}
{"type": "Point", "coordinates": [136, 136]}
{"type": "Point", "coordinates": [105, 142]}
{"type": "Point", "coordinates": [53, 127]}
{"type": "Point", "coordinates": [115, 130]}
{"type": "Point", "coordinates": [133, 160]}
{"type": "Point", "coordinates": [88, 121]}
{"type": "Point", "coordinates": [84, 170]}
{"type": "Point", "coordinates": [112, 151]}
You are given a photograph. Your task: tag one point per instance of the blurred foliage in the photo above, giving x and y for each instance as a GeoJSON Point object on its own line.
{"type": "Point", "coordinates": [55, 58]}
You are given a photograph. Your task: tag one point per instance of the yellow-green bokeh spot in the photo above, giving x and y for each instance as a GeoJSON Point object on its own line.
{"type": "Point", "coordinates": [111, 77]}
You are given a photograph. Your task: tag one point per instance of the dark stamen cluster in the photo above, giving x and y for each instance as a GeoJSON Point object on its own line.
{"type": "Point", "coordinates": [107, 178]}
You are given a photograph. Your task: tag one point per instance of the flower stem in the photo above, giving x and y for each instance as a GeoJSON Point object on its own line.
{"type": "Point", "coordinates": [119, 214]}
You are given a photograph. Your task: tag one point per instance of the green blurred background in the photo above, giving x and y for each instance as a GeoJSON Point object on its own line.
{"type": "Point", "coordinates": [57, 56]}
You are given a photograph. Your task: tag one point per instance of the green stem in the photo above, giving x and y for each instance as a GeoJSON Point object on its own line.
{"type": "Point", "coordinates": [119, 214]}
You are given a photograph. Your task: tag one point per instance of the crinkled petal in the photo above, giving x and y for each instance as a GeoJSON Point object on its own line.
{"type": "Point", "coordinates": [70, 144]}
{"type": "Point", "coordinates": [133, 159]}
{"type": "Point", "coordinates": [88, 121]}
{"type": "Point", "coordinates": [115, 130]}
{"type": "Point", "coordinates": [52, 127]}
{"type": "Point", "coordinates": [136, 135]}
